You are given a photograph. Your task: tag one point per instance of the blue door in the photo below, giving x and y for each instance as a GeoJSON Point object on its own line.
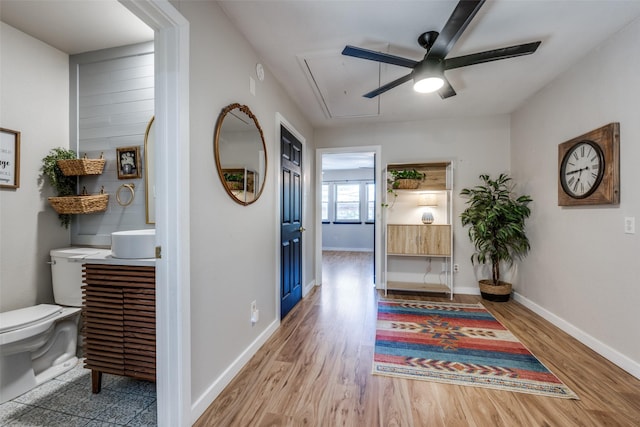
{"type": "Point", "coordinates": [291, 221]}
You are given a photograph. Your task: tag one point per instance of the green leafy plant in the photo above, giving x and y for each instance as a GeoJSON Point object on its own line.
{"type": "Point", "coordinates": [233, 177]}
{"type": "Point", "coordinates": [407, 174]}
{"type": "Point", "coordinates": [496, 220]}
{"type": "Point", "coordinates": [63, 185]}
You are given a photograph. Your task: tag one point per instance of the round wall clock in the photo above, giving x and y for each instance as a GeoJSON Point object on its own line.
{"type": "Point", "coordinates": [589, 168]}
{"type": "Point", "coordinates": [582, 169]}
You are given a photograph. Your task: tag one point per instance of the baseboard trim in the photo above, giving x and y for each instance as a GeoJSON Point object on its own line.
{"type": "Point", "coordinates": [203, 402]}
{"type": "Point", "coordinates": [596, 345]}
{"type": "Point", "coordinates": [470, 290]}
{"type": "Point", "coordinates": [341, 249]}
{"type": "Point", "coordinates": [307, 288]}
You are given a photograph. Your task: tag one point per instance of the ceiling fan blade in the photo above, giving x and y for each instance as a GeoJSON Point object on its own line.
{"type": "Point", "coordinates": [388, 86]}
{"type": "Point", "coordinates": [446, 91]}
{"type": "Point", "coordinates": [455, 26]}
{"type": "Point", "coordinates": [372, 55]}
{"type": "Point", "coordinates": [491, 55]}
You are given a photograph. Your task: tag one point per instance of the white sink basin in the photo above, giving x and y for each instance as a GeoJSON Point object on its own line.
{"type": "Point", "coordinates": [133, 244]}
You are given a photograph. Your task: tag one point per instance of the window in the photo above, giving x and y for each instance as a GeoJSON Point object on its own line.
{"type": "Point", "coordinates": [325, 202]}
{"type": "Point", "coordinates": [371, 202]}
{"type": "Point", "coordinates": [347, 202]}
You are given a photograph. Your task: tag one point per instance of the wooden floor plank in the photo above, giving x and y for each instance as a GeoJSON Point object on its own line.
{"type": "Point", "coordinates": [316, 370]}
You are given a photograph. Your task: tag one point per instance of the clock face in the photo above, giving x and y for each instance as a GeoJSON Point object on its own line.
{"type": "Point", "coordinates": [582, 169]}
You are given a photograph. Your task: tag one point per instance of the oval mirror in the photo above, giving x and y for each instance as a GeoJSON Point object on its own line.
{"type": "Point", "coordinates": [149, 172]}
{"type": "Point", "coordinates": [241, 153]}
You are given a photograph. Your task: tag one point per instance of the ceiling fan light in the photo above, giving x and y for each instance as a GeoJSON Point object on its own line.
{"type": "Point", "coordinates": [428, 84]}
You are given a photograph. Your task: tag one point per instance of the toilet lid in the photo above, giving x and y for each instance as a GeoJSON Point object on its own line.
{"type": "Point", "coordinates": [16, 319]}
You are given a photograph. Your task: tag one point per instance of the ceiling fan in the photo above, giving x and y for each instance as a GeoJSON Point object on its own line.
{"type": "Point", "coordinates": [428, 74]}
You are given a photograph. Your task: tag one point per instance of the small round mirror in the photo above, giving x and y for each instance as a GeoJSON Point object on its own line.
{"type": "Point", "coordinates": [240, 153]}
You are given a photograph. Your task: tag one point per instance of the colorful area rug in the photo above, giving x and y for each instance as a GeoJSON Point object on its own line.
{"type": "Point", "coordinates": [457, 344]}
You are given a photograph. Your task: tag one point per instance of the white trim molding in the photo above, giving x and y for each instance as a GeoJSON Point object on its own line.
{"type": "Point", "coordinates": [596, 345]}
{"type": "Point", "coordinates": [203, 402]}
{"type": "Point", "coordinates": [173, 328]}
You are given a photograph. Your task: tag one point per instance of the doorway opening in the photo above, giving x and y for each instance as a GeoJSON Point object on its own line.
{"type": "Point", "coordinates": [348, 211]}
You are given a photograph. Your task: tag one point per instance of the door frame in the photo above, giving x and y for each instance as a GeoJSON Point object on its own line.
{"type": "Point", "coordinates": [173, 327]}
{"type": "Point", "coordinates": [377, 149]}
{"type": "Point", "coordinates": [306, 288]}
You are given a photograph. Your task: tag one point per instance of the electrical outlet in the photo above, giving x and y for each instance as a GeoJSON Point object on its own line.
{"type": "Point", "coordinates": [630, 225]}
{"type": "Point", "coordinates": [253, 315]}
{"type": "Point", "coordinates": [456, 268]}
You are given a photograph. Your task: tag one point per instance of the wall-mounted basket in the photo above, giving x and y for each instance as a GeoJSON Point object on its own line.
{"type": "Point", "coordinates": [235, 185]}
{"type": "Point", "coordinates": [82, 166]}
{"type": "Point", "coordinates": [406, 184]}
{"type": "Point", "coordinates": [83, 204]}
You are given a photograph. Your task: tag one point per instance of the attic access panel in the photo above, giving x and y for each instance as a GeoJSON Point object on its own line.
{"type": "Point", "coordinates": [338, 84]}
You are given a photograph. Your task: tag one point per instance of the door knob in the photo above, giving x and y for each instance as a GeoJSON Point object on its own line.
{"type": "Point", "coordinates": [301, 229]}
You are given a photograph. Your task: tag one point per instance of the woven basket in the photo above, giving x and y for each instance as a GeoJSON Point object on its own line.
{"type": "Point", "coordinates": [74, 167]}
{"type": "Point", "coordinates": [235, 185]}
{"type": "Point", "coordinates": [406, 184]}
{"type": "Point", "coordinates": [80, 204]}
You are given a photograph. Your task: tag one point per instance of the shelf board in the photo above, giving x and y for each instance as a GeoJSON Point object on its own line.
{"type": "Point", "coordinates": [418, 287]}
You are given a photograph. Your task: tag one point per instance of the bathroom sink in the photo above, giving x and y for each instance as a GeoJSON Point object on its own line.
{"type": "Point", "coordinates": [132, 244]}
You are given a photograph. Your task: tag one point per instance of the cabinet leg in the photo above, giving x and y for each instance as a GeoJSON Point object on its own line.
{"type": "Point", "coordinates": [96, 381]}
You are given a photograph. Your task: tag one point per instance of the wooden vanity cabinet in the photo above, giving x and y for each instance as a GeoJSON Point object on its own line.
{"type": "Point", "coordinates": [119, 321]}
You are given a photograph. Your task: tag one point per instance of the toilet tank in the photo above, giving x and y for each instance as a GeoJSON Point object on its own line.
{"type": "Point", "coordinates": [66, 274]}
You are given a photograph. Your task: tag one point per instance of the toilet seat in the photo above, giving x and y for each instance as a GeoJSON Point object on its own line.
{"type": "Point", "coordinates": [23, 317]}
{"type": "Point", "coordinates": [31, 321]}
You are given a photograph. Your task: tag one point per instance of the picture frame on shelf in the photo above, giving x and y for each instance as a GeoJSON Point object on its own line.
{"type": "Point", "coordinates": [9, 158]}
{"type": "Point", "coordinates": [128, 162]}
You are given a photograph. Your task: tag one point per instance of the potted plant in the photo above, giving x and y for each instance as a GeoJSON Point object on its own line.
{"type": "Point", "coordinates": [235, 181]}
{"type": "Point", "coordinates": [496, 220]}
{"type": "Point", "coordinates": [62, 184]}
{"type": "Point", "coordinates": [405, 179]}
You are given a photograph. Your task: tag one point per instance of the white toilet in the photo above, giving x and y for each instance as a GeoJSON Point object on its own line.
{"type": "Point", "coordinates": [39, 343]}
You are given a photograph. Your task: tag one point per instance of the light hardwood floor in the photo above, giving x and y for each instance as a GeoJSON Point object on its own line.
{"type": "Point", "coordinates": [316, 371]}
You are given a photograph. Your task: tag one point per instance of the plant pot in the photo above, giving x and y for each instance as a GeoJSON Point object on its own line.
{"type": "Point", "coordinates": [497, 293]}
{"type": "Point", "coordinates": [406, 184]}
{"type": "Point", "coordinates": [235, 185]}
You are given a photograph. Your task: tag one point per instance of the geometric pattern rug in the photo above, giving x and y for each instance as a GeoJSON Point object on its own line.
{"type": "Point", "coordinates": [459, 344]}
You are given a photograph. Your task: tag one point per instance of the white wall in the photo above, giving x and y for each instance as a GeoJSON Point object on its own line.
{"type": "Point", "coordinates": [474, 145]}
{"type": "Point", "coordinates": [233, 248]}
{"type": "Point", "coordinates": [583, 270]}
{"type": "Point", "coordinates": [34, 99]}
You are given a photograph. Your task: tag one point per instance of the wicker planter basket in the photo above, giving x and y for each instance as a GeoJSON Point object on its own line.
{"type": "Point", "coordinates": [80, 204]}
{"type": "Point", "coordinates": [73, 167]}
{"type": "Point", "coordinates": [406, 184]}
{"type": "Point", "coordinates": [235, 185]}
{"type": "Point", "coordinates": [491, 292]}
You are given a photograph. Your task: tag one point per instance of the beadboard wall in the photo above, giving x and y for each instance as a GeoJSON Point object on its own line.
{"type": "Point", "coordinates": [112, 107]}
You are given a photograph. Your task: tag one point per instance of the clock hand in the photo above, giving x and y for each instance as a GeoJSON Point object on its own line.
{"type": "Point", "coordinates": [577, 170]}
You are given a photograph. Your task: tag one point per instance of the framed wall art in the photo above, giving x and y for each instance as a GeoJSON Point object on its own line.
{"type": "Point", "coordinates": [128, 162]}
{"type": "Point", "coordinates": [9, 158]}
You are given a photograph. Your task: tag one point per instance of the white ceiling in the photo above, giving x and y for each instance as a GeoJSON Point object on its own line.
{"type": "Point", "coordinates": [292, 37]}
{"type": "Point", "coordinates": [76, 26]}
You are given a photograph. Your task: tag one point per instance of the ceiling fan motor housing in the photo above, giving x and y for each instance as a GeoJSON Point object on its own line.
{"type": "Point", "coordinates": [430, 67]}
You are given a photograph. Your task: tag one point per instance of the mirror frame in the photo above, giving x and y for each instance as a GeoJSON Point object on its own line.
{"type": "Point", "coordinates": [148, 188]}
{"type": "Point", "coordinates": [216, 150]}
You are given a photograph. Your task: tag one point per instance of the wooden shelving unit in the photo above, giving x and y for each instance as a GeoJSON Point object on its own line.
{"type": "Point", "coordinates": [411, 247]}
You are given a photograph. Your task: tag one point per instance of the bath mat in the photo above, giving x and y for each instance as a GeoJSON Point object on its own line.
{"type": "Point", "coordinates": [459, 344]}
